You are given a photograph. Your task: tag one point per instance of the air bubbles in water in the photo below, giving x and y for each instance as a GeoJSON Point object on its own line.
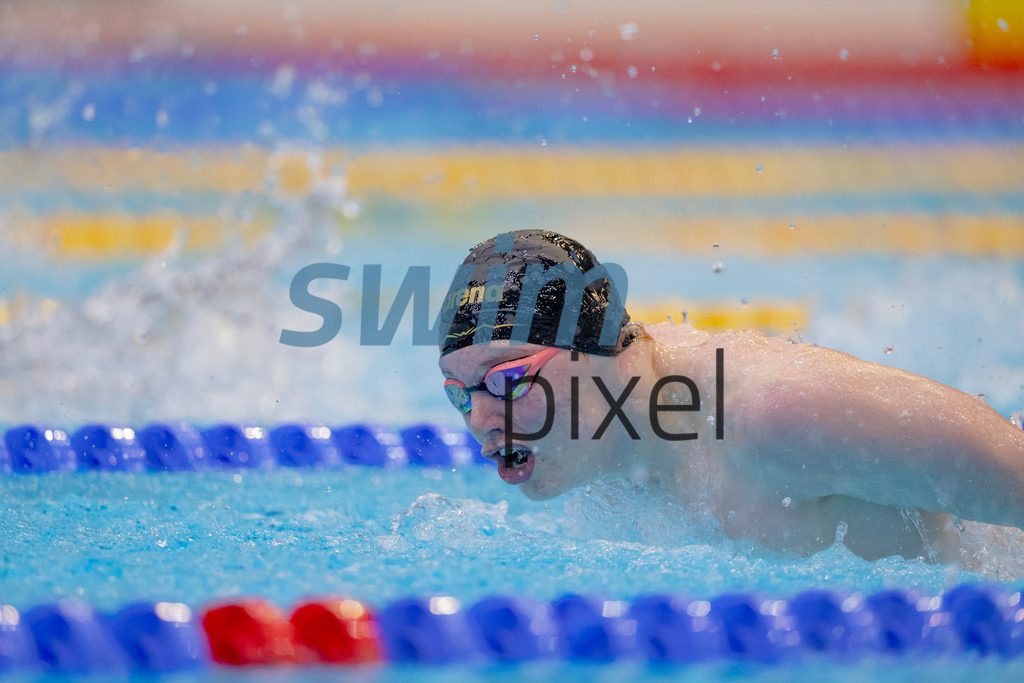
{"type": "Point", "coordinates": [759, 168]}
{"type": "Point", "coordinates": [786, 502]}
{"type": "Point", "coordinates": [887, 350]}
{"type": "Point", "coordinates": [841, 530]}
{"type": "Point", "coordinates": [718, 267]}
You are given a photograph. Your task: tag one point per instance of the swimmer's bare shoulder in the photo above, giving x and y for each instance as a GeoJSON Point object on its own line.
{"type": "Point", "coordinates": [816, 422]}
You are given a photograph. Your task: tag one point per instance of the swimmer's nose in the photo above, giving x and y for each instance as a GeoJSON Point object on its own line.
{"type": "Point", "coordinates": [487, 415]}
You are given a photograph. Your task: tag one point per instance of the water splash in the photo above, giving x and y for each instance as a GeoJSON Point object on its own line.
{"type": "Point", "coordinates": [198, 340]}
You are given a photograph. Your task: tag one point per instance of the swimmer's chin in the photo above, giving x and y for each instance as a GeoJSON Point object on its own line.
{"type": "Point", "coordinates": [535, 494]}
{"type": "Point", "coordinates": [538, 491]}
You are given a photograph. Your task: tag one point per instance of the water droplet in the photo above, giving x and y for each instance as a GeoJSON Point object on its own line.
{"type": "Point", "coordinates": [632, 71]}
{"type": "Point", "coordinates": [536, 36]}
{"type": "Point", "coordinates": [696, 111]}
{"type": "Point", "coordinates": [715, 66]}
{"type": "Point", "coordinates": [759, 168]}
{"type": "Point", "coordinates": [732, 514]}
{"type": "Point", "coordinates": [841, 530]}
{"type": "Point", "coordinates": [718, 267]}
{"type": "Point", "coordinates": [89, 112]}
{"type": "Point", "coordinates": [628, 31]}
{"type": "Point", "coordinates": [1003, 26]}
{"type": "Point", "coordinates": [887, 350]}
{"type": "Point", "coordinates": [350, 209]}
{"type": "Point", "coordinates": [786, 501]}
{"type": "Point", "coordinates": [573, 68]}
{"type": "Point", "coordinates": [689, 119]}
{"type": "Point", "coordinates": [715, 245]}
{"type": "Point", "coordinates": [792, 226]}
{"type": "Point", "coordinates": [844, 54]}
{"type": "Point", "coordinates": [775, 54]}
{"type": "Point", "coordinates": [586, 55]}
{"type": "Point", "coordinates": [161, 118]}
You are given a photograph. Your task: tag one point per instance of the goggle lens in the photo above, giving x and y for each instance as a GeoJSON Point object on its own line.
{"type": "Point", "coordinates": [516, 377]}
{"type": "Point", "coordinates": [459, 396]}
{"type": "Point", "coordinates": [513, 378]}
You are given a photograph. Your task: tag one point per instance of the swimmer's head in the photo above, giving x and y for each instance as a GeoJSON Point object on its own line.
{"type": "Point", "coordinates": [514, 287]}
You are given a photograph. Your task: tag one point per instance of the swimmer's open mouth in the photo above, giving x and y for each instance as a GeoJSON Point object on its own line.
{"type": "Point", "coordinates": [515, 456]}
{"type": "Point", "coordinates": [515, 463]}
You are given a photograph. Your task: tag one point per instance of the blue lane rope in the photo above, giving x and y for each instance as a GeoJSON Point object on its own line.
{"type": "Point", "coordinates": [184, 447]}
{"type": "Point", "coordinates": [180, 446]}
{"type": "Point", "coordinates": [72, 637]}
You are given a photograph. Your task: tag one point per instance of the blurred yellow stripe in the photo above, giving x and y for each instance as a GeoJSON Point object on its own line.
{"type": "Point", "coordinates": [903, 233]}
{"type": "Point", "coordinates": [777, 318]}
{"type": "Point", "coordinates": [746, 172]}
{"type": "Point", "coordinates": [997, 32]}
{"type": "Point", "coordinates": [124, 235]}
{"type": "Point", "coordinates": [467, 174]}
{"type": "Point", "coordinates": [117, 235]}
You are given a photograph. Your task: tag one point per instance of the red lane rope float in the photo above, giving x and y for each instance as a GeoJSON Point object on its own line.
{"type": "Point", "coordinates": [338, 631]}
{"type": "Point", "coordinates": [250, 632]}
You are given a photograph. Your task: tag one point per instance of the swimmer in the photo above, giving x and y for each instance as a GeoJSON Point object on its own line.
{"type": "Point", "coordinates": [800, 439]}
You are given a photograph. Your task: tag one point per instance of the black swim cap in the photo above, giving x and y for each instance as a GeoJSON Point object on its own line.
{"type": "Point", "coordinates": [513, 287]}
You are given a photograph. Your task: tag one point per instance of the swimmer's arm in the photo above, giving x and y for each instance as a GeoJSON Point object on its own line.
{"type": "Point", "coordinates": [839, 425]}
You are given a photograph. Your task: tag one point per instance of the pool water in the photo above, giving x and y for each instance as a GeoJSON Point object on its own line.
{"type": "Point", "coordinates": [287, 534]}
{"type": "Point", "coordinates": [157, 199]}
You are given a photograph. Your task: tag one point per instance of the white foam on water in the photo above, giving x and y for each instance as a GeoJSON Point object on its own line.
{"type": "Point", "coordinates": [181, 338]}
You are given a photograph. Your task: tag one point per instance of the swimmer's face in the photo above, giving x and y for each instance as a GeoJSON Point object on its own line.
{"type": "Point", "coordinates": [544, 467]}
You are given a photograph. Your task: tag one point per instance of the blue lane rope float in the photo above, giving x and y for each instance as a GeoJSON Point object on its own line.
{"type": "Point", "coordinates": [179, 446]}
{"type": "Point", "coordinates": [976, 620]}
{"type": "Point", "coordinates": [183, 447]}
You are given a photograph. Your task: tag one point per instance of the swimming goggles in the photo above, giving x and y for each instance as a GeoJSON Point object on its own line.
{"type": "Point", "coordinates": [515, 374]}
